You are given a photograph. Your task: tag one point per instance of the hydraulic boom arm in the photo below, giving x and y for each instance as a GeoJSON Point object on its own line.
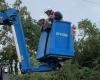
{"type": "Point", "coordinates": [55, 47]}
{"type": "Point", "coordinates": [11, 17]}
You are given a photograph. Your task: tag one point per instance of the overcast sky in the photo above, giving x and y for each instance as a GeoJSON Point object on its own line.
{"type": "Point", "coordinates": [72, 10]}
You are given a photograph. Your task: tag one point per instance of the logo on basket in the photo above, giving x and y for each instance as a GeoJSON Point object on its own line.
{"type": "Point", "coordinates": [61, 34]}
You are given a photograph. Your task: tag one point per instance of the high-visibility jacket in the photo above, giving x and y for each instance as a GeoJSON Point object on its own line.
{"type": "Point", "coordinates": [56, 15]}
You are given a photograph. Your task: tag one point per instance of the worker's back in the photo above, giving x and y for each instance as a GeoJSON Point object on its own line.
{"type": "Point", "coordinates": [58, 16]}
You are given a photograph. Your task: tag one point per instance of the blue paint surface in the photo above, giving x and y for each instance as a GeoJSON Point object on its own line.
{"type": "Point", "coordinates": [60, 41]}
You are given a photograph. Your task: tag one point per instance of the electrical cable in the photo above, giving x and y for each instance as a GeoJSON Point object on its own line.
{"type": "Point", "coordinates": [92, 2]}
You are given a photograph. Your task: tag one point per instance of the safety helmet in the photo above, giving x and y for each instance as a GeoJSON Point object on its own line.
{"type": "Point", "coordinates": [48, 10]}
{"type": "Point", "coordinates": [44, 16]}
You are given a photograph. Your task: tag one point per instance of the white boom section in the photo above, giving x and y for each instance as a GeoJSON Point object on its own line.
{"type": "Point", "coordinates": [16, 44]}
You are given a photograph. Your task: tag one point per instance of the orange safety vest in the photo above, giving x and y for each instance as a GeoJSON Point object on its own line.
{"type": "Point", "coordinates": [52, 15]}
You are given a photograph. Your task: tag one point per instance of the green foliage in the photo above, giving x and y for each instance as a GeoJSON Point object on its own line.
{"type": "Point", "coordinates": [31, 30]}
{"type": "Point", "coordinates": [89, 46]}
{"type": "Point", "coordinates": [8, 52]}
{"type": "Point", "coordinates": [86, 61]}
{"type": "Point", "coordinates": [3, 5]}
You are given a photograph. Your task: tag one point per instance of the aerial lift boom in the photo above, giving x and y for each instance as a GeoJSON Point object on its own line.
{"type": "Point", "coordinates": [57, 48]}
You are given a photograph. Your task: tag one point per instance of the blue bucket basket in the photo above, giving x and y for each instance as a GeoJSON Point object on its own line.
{"type": "Point", "coordinates": [58, 44]}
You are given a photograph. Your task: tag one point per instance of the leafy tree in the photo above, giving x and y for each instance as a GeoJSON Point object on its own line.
{"type": "Point", "coordinates": [31, 30]}
{"type": "Point", "coordinates": [17, 4]}
{"type": "Point", "coordinates": [88, 47]}
{"type": "Point", "coordinates": [3, 5]}
{"type": "Point", "coordinates": [6, 38]}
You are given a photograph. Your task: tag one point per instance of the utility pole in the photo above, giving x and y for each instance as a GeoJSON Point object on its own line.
{"type": "Point", "coordinates": [1, 73]}
{"type": "Point", "coordinates": [4, 72]}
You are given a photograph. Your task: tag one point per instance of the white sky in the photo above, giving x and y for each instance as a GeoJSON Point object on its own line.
{"type": "Point", "coordinates": [73, 10]}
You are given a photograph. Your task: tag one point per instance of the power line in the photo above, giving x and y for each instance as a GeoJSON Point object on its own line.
{"type": "Point", "coordinates": [92, 2]}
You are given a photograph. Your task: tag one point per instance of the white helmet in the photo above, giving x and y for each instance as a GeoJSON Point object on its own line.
{"type": "Point", "coordinates": [44, 16]}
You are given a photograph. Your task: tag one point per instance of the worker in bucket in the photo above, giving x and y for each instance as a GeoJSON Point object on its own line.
{"type": "Point", "coordinates": [44, 23]}
{"type": "Point", "coordinates": [53, 15]}
{"type": "Point", "coordinates": [46, 20]}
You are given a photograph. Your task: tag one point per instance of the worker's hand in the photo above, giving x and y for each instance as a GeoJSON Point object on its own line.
{"type": "Point", "coordinates": [41, 22]}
